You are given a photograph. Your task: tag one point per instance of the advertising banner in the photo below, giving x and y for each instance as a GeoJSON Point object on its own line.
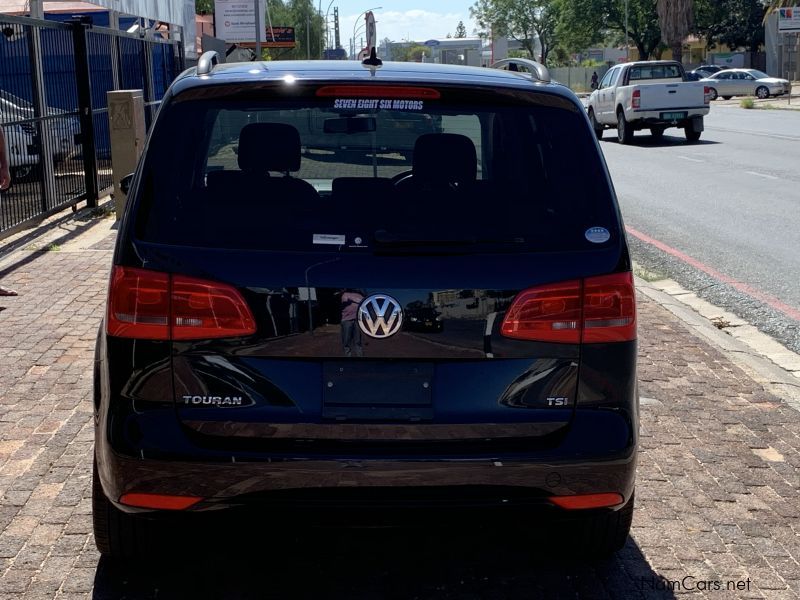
{"type": "Point", "coordinates": [236, 20]}
{"type": "Point", "coordinates": [789, 18]}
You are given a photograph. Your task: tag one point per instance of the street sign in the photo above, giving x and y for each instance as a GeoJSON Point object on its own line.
{"type": "Point", "coordinates": [277, 37]}
{"type": "Point", "coordinates": [789, 18]}
{"type": "Point", "coordinates": [432, 43]}
{"type": "Point", "coordinates": [372, 36]}
{"type": "Point", "coordinates": [236, 20]}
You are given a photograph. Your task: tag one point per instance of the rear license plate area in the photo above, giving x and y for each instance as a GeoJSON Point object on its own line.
{"type": "Point", "coordinates": [673, 116]}
{"type": "Point", "coordinates": [366, 391]}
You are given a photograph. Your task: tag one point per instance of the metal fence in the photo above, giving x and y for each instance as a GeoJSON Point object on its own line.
{"type": "Point", "coordinates": [54, 112]}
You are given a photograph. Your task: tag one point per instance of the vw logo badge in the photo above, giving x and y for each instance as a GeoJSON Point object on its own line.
{"type": "Point", "coordinates": [380, 316]}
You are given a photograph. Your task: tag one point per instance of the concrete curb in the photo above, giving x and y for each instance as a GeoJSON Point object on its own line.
{"type": "Point", "coordinates": [762, 358]}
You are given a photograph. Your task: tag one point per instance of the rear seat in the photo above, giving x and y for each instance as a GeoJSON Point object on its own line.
{"type": "Point", "coordinates": [252, 198]}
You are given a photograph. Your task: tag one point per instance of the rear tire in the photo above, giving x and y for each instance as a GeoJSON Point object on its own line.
{"type": "Point", "coordinates": [603, 534]}
{"type": "Point", "coordinates": [118, 534]}
{"type": "Point", "coordinates": [692, 136]}
{"type": "Point", "coordinates": [598, 129]}
{"type": "Point", "coordinates": [624, 131]}
{"type": "Point", "coordinates": [712, 93]}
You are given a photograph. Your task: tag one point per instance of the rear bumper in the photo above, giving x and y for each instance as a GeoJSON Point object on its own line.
{"type": "Point", "coordinates": [583, 463]}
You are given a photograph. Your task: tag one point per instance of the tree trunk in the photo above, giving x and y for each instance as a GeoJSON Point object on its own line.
{"type": "Point", "coordinates": [677, 52]}
{"type": "Point", "coordinates": [642, 51]}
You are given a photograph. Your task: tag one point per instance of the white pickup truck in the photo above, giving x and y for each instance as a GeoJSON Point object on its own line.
{"type": "Point", "coordinates": [650, 95]}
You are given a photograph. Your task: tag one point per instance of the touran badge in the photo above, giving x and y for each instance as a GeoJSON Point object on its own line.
{"type": "Point", "coordinates": [380, 316]}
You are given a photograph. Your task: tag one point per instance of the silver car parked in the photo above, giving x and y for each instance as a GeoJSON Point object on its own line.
{"type": "Point", "coordinates": [745, 82]}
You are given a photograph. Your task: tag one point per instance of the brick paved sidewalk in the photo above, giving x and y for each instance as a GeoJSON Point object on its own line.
{"type": "Point", "coordinates": [717, 496]}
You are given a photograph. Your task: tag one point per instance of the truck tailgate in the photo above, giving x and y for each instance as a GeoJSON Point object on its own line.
{"type": "Point", "coordinates": [670, 96]}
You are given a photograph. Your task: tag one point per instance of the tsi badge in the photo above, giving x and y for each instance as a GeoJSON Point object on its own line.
{"type": "Point", "coordinates": [380, 316]}
{"type": "Point", "coordinates": [557, 401]}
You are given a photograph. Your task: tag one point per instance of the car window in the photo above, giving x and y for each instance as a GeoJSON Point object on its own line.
{"type": "Point", "coordinates": [643, 72]}
{"type": "Point", "coordinates": [607, 78]}
{"type": "Point", "coordinates": [723, 76]}
{"type": "Point", "coordinates": [758, 74]}
{"type": "Point", "coordinates": [361, 167]}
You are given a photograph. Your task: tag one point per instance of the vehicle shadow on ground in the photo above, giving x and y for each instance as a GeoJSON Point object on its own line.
{"type": "Point", "coordinates": [420, 561]}
{"type": "Point", "coordinates": [647, 141]}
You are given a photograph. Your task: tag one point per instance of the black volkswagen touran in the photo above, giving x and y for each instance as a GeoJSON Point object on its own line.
{"type": "Point", "coordinates": [343, 285]}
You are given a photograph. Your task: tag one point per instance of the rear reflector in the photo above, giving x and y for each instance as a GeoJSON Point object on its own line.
{"type": "Point", "coordinates": [145, 304]}
{"type": "Point", "coordinates": [159, 501]}
{"type": "Point", "coordinates": [593, 310]}
{"type": "Point", "coordinates": [585, 501]}
{"type": "Point", "coordinates": [378, 91]}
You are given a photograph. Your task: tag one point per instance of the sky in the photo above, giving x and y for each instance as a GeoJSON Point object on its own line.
{"type": "Point", "coordinates": [403, 19]}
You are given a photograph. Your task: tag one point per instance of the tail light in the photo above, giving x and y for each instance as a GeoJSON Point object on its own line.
{"type": "Point", "coordinates": [593, 310]}
{"type": "Point", "coordinates": [636, 99]}
{"type": "Point", "coordinates": [150, 305]}
{"type": "Point", "coordinates": [706, 95]}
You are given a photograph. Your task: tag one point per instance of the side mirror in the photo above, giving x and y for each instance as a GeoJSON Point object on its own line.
{"type": "Point", "coordinates": [125, 183]}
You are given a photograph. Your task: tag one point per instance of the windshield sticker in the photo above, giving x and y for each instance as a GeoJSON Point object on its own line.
{"type": "Point", "coordinates": [327, 238]}
{"type": "Point", "coordinates": [597, 235]}
{"type": "Point", "coordinates": [385, 103]}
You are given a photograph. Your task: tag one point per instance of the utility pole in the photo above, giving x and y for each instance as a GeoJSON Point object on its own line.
{"type": "Point", "coordinates": [257, 5]}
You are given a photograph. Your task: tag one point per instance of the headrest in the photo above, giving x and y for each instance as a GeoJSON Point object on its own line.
{"type": "Point", "coordinates": [269, 147]}
{"type": "Point", "coordinates": [444, 158]}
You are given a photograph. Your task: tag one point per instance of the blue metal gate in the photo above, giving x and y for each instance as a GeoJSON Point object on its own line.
{"type": "Point", "coordinates": [54, 113]}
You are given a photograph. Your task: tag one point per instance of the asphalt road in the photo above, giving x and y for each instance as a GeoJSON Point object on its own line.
{"type": "Point", "coordinates": [722, 216]}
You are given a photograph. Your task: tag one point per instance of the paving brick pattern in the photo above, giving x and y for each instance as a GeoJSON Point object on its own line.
{"type": "Point", "coordinates": [717, 497]}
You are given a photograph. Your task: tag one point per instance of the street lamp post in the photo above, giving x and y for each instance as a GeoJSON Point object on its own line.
{"type": "Point", "coordinates": [356, 23]}
{"type": "Point", "coordinates": [627, 41]}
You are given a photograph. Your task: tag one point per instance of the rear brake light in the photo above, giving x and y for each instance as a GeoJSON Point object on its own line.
{"type": "Point", "coordinates": [609, 309]}
{"type": "Point", "coordinates": [593, 310]}
{"type": "Point", "coordinates": [203, 309]}
{"type": "Point", "coordinates": [378, 91]}
{"type": "Point", "coordinates": [159, 501]}
{"type": "Point", "coordinates": [550, 312]}
{"type": "Point", "coordinates": [584, 501]}
{"type": "Point", "coordinates": [636, 99]}
{"type": "Point", "coordinates": [138, 304]}
{"type": "Point", "coordinates": [145, 304]}
{"type": "Point", "coordinates": [706, 95]}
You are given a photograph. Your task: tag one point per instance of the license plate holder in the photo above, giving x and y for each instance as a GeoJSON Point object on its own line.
{"type": "Point", "coordinates": [673, 116]}
{"type": "Point", "coordinates": [377, 392]}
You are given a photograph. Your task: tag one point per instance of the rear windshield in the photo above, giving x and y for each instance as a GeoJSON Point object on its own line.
{"type": "Point", "coordinates": [645, 72]}
{"type": "Point", "coordinates": [349, 172]}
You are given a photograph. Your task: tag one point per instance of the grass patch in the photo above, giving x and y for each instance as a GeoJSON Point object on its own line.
{"type": "Point", "coordinates": [747, 103]}
{"type": "Point", "coordinates": [646, 274]}
{"type": "Point", "coordinates": [52, 247]}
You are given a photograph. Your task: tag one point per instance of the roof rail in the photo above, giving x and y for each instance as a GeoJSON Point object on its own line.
{"type": "Point", "coordinates": [529, 67]}
{"type": "Point", "coordinates": [207, 62]}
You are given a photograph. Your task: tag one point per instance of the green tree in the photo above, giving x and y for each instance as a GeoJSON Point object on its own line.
{"type": "Point", "coordinates": [203, 7]}
{"type": "Point", "coordinates": [461, 31]}
{"type": "Point", "coordinates": [675, 21]}
{"type": "Point", "coordinates": [733, 23]}
{"type": "Point", "coordinates": [584, 23]}
{"type": "Point", "coordinates": [308, 28]}
{"type": "Point", "coordinates": [522, 20]}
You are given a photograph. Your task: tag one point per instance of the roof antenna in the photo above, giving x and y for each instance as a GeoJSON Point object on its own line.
{"type": "Point", "coordinates": [373, 62]}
